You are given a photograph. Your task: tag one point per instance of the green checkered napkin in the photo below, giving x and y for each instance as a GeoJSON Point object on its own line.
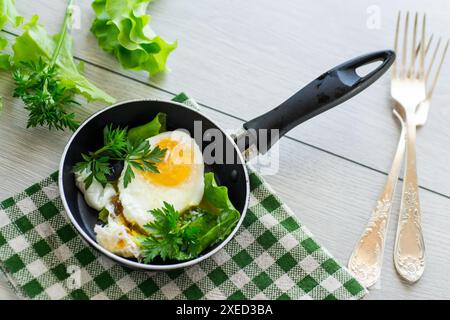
{"type": "Point", "coordinates": [273, 256]}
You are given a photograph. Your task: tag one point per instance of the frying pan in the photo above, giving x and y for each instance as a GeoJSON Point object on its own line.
{"type": "Point", "coordinates": [330, 89]}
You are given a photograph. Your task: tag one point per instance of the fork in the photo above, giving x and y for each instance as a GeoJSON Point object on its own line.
{"type": "Point", "coordinates": [409, 89]}
{"type": "Point", "coordinates": [366, 259]}
{"type": "Point", "coordinates": [367, 256]}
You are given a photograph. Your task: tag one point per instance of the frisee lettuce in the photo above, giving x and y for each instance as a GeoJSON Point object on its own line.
{"type": "Point", "coordinates": [122, 28]}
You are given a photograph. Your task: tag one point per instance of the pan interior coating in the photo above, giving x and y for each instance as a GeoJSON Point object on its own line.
{"type": "Point", "coordinates": [135, 113]}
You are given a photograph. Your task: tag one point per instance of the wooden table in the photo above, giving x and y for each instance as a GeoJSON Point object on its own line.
{"type": "Point", "coordinates": [242, 58]}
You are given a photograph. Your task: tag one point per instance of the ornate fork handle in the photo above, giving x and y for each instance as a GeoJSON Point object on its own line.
{"type": "Point", "coordinates": [367, 256]}
{"type": "Point", "coordinates": [409, 251]}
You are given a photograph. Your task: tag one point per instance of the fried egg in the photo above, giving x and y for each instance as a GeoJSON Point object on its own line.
{"type": "Point", "coordinates": [117, 238]}
{"type": "Point", "coordinates": [96, 196]}
{"type": "Point", "coordinates": [180, 180]}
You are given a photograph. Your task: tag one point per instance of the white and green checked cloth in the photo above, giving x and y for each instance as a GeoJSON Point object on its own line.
{"type": "Point", "coordinates": [273, 256]}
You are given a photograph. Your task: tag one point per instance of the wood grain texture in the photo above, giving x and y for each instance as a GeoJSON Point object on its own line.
{"type": "Point", "coordinates": [244, 58]}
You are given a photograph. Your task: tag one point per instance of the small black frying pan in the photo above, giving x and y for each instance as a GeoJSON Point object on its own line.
{"type": "Point", "coordinates": [327, 91]}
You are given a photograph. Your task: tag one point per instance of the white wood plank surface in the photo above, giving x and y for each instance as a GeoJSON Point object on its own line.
{"type": "Point", "coordinates": [252, 55]}
{"type": "Point", "coordinates": [244, 57]}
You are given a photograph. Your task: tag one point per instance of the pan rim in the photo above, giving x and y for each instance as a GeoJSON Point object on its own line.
{"type": "Point", "coordinates": [125, 261]}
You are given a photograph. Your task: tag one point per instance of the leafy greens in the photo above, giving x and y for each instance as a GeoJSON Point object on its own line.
{"type": "Point", "coordinates": [47, 77]}
{"type": "Point", "coordinates": [122, 28]}
{"type": "Point", "coordinates": [8, 13]}
{"type": "Point", "coordinates": [154, 127]}
{"type": "Point", "coordinates": [177, 236]}
{"type": "Point", "coordinates": [135, 154]}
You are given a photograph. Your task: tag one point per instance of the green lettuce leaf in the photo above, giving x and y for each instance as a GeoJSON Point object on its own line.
{"type": "Point", "coordinates": [5, 64]}
{"type": "Point", "coordinates": [216, 196]}
{"type": "Point", "coordinates": [183, 236]}
{"type": "Point", "coordinates": [208, 229]}
{"type": "Point", "coordinates": [215, 221]}
{"type": "Point", "coordinates": [103, 215]}
{"type": "Point", "coordinates": [122, 28]}
{"type": "Point", "coordinates": [154, 127]}
{"type": "Point", "coordinates": [35, 44]}
{"type": "Point", "coordinates": [8, 13]}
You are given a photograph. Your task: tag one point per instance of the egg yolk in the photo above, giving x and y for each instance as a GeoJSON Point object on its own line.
{"type": "Point", "coordinates": [176, 167]}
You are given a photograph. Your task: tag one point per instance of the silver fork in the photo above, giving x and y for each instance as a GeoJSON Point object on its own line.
{"type": "Point", "coordinates": [366, 259]}
{"type": "Point", "coordinates": [367, 256]}
{"type": "Point", "coordinates": [409, 88]}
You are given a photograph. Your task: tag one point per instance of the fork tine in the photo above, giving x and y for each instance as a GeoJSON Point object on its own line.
{"type": "Point", "coordinates": [422, 48]}
{"type": "Point", "coordinates": [397, 28]}
{"type": "Point", "coordinates": [413, 47]}
{"type": "Point", "coordinates": [433, 57]}
{"type": "Point", "coordinates": [429, 44]}
{"type": "Point", "coordinates": [436, 76]}
{"type": "Point", "coordinates": [427, 48]}
{"type": "Point", "coordinates": [405, 45]}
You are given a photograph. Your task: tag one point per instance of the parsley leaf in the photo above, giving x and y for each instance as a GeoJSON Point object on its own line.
{"type": "Point", "coordinates": [166, 238]}
{"type": "Point", "coordinates": [45, 98]}
{"type": "Point", "coordinates": [184, 236]}
{"type": "Point", "coordinates": [141, 157]}
{"type": "Point", "coordinates": [117, 147]}
{"type": "Point", "coordinates": [46, 76]}
{"type": "Point", "coordinates": [8, 13]}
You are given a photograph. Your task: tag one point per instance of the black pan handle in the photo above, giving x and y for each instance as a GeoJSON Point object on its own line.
{"type": "Point", "coordinates": [327, 91]}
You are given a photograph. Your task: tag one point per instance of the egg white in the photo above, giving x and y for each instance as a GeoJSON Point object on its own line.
{"type": "Point", "coordinates": [141, 195]}
{"type": "Point", "coordinates": [115, 238]}
{"type": "Point", "coordinates": [96, 196]}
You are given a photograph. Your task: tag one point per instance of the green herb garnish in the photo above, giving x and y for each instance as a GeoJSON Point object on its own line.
{"type": "Point", "coordinates": [139, 156]}
{"type": "Point", "coordinates": [46, 99]}
{"type": "Point", "coordinates": [117, 147]}
{"type": "Point", "coordinates": [47, 77]}
{"type": "Point", "coordinates": [103, 215]}
{"type": "Point", "coordinates": [166, 235]}
{"type": "Point", "coordinates": [184, 236]}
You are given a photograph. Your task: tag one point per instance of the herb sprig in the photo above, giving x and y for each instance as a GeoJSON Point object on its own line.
{"type": "Point", "coordinates": [117, 147]}
{"type": "Point", "coordinates": [182, 236]}
{"type": "Point", "coordinates": [139, 156]}
{"type": "Point", "coordinates": [166, 236]}
{"type": "Point", "coordinates": [45, 97]}
{"type": "Point", "coordinates": [46, 76]}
